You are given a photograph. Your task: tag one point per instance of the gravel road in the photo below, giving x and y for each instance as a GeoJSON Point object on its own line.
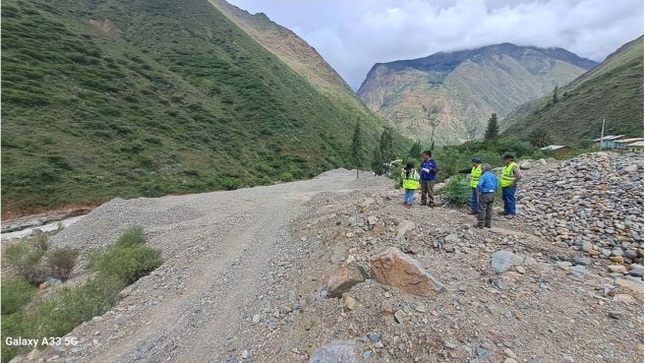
{"type": "Point", "coordinates": [216, 246]}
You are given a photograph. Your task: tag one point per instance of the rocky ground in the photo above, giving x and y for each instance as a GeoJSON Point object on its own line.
{"type": "Point", "coordinates": [294, 273]}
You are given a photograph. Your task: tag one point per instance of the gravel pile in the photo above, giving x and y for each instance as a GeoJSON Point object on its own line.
{"type": "Point", "coordinates": [593, 202]}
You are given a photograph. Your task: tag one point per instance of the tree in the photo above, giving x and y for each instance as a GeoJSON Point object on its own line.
{"type": "Point", "coordinates": [357, 148]}
{"type": "Point", "coordinates": [433, 113]}
{"type": "Point", "coordinates": [539, 138]}
{"type": "Point", "coordinates": [492, 130]}
{"type": "Point", "coordinates": [377, 162]}
{"type": "Point", "coordinates": [415, 150]}
{"type": "Point", "coordinates": [555, 95]}
{"type": "Point", "coordinates": [383, 153]}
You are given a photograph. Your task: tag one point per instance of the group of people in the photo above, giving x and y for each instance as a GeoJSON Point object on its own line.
{"type": "Point", "coordinates": [483, 183]}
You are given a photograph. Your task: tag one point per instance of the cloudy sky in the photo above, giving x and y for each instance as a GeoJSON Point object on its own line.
{"type": "Point", "coordinates": [353, 35]}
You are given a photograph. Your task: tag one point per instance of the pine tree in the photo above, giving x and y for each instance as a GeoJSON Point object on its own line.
{"type": "Point", "coordinates": [492, 130]}
{"type": "Point", "coordinates": [555, 95]}
{"type": "Point", "coordinates": [357, 148]}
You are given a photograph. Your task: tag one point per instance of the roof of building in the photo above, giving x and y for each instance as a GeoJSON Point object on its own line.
{"type": "Point", "coordinates": [633, 139]}
{"type": "Point", "coordinates": [610, 137]}
{"type": "Point", "coordinates": [553, 147]}
{"type": "Point", "coordinates": [637, 143]}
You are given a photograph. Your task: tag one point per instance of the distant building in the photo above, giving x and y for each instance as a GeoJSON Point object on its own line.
{"type": "Point", "coordinates": [609, 141]}
{"type": "Point", "coordinates": [636, 147]}
{"type": "Point", "coordinates": [622, 143]}
{"type": "Point", "coordinates": [557, 149]}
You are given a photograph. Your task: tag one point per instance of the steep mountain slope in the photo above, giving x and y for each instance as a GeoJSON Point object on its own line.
{"type": "Point", "coordinates": [459, 91]}
{"type": "Point", "coordinates": [613, 91]}
{"type": "Point", "coordinates": [136, 98]}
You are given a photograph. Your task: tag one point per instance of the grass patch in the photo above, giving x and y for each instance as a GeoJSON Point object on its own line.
{"type": "Point", "coordinates": [16, 293]}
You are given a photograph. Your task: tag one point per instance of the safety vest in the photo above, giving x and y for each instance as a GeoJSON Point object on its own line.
{"type": "Point", "coordinates": [508, 177]}
{"type": "Point", "coordinates": [474, 176]}
{"type": "Point", "coordinates": [411, 182]}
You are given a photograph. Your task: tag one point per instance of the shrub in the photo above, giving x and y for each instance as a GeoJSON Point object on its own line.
{"type": "Point", "coordinates": [458, 191]}
{"type": "Point", "coordinates": [61, 262]}
{"type": "Point", "coordinates": [128, 259]}
{"type": "Point", "coordinates": [70, 307]}
{"type": "Point", "coordinates": [286, 176]}
{"type": "Point", "coordinates": [15, 293]}
{"type": "Point", "coordinates": [25, 257]}
{"type": "Point", "coordinates": [129, 264]}
{"type": "Point", "coordinates": [132, 236]}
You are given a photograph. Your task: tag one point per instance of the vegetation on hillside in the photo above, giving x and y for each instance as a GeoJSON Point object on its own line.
{"type": "Point", "coordinates": [31, 315]}
{"type": "Point", "coordinates": [612, 91]}
{"type": "Point", "coordinates": [129, 99]}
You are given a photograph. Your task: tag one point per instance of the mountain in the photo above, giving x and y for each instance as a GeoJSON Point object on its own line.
{"type": "Point", "coordinates": [612, 91]}
{"type": "Point", "coordinates": [458, 91]}
{"type": "Point", "coordinates": [147, 98]}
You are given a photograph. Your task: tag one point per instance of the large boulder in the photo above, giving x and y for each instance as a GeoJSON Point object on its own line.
{"type": "Point", "coordinates": [395, 268]}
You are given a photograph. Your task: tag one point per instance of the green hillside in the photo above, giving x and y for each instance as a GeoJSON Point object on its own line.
{"type": "Point", "coordinates": [147, 98]}
{"type": "Point", "coordinates": [612, 91]}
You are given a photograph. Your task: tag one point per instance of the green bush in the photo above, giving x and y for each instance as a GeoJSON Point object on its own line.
{"type": "Point", "coordinates": [132, 236]}
{"type": "Point", "coordinates": [70, 307]}
{"type": "Point", "coordinates": [15, 294]}
{"type": "Point", "coordinates": [286, 176]}
{"type": "Point", "coordinates": [458, 191]}
{"type": "Point", "coordinates": [129, 258]}
{"type": "Point", "coordinates": [16, 325]}
{"type": "Point", "coordinates": [61, 262]}
{"type": "Point", "coordinates": [25, 257]}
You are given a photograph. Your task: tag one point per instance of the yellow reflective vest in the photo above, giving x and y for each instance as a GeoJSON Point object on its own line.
{"type": "Point", "coordinates": [475, 173]}
{"type": "Point", "coordinates": [412, 182]}
{"type": "Point", "coordinates": [508, 177]}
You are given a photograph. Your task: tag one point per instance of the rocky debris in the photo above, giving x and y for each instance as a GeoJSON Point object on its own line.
{"type": "Point", "coordinates": [592, 203]}
{"type": "Point", "coordinates": [394, 268]}
{"type": "Point", "coordinates": [524, 313]}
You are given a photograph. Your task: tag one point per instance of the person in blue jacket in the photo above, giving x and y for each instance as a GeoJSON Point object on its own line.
{"type": "Point", "coordinates": [428, 176]}
{"type": "Point", "coordinates": [486, 187]}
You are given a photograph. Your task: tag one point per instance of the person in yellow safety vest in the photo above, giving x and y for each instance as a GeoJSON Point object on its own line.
{"type": "Point", "coordinates": [410, 182]}
{"type": "Point", "coordinates": [508, 181]}
{"type": "Point", "coordinates": [475, 173]}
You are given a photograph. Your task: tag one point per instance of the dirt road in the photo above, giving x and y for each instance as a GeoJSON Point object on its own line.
{"type": "Point", "coordinates": [217, 248]}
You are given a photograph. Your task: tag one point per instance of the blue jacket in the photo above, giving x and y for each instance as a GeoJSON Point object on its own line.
{"type": "Point", "coordinates": [487, 182]}
{"type": "Point", "coordinates": [429, 164]}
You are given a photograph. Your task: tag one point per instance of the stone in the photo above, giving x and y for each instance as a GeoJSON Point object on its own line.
{"type": "Point", "coordinates": [404, 228]}
{"type": "Point", "coordinates": [631, 285]}
{"type": "Point", "coordinates": [344, 279]}
{"type": "Point", "coordinates": [636, 270]}
{"type": "Point", "coordinates": [394, 268]}
{"type": "Point", "coordinates": [631, 254]}
{"type": "Point", "coordinates": [399, 316]}
{"type": "Point", "coordinates": [374, 337]}
{"type": "Point", "coordinates": [256, 318]}
{"type": "Point", "coordinates": [632, 168]}
{"type": "Point", "coordinates": [337, 352]}
{"type": "Point", "coordinates": [509, 353]}
{"type": "Point", "coordinates": [510, 360]}
{"type": "Point", "coordinates": [617, 269]}
{"type": "Point", "coordinates": [349, 303]}
{"type": "Point", "coordinates": [587, 246]}
{"type": "Point", "coordinates": [372, 220]}
{"type": "Point", "coordinates": [525, 165]}
{"type": "Point", "coordinates": [624, 298]}
{"type": "Point", "coordinates": [503, 260]}
{"type": "Point", "coordinates": [451, 238]}
{"type": "Point", "coordinates": [617, 259]}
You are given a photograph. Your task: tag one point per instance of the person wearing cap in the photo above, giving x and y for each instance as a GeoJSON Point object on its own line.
{"type": "Point", "coordinates": [475, 173]}
{"type": "Point", "coordinates": [508, 181]}
{"type": "Point", "coordinates": [486, 187]}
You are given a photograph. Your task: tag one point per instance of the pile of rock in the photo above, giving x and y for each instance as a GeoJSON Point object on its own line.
{"type": "Point", "coordinates": [593, 202]}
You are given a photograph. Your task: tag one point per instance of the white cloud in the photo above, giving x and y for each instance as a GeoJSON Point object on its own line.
{"type": "Point", "coordinates": [354, 35]}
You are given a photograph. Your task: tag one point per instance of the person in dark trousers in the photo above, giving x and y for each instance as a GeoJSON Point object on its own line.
{"type": "Point", "coordinates": [410, 182]}
{"type": "Point", "coordinates": [508, 181]}
{"type": "Point", "coordinates": [475, 173]}
{"type": "Point", "coordinates": [485, 189]}
{"type": "Point", "coordinates": [428, 176]}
